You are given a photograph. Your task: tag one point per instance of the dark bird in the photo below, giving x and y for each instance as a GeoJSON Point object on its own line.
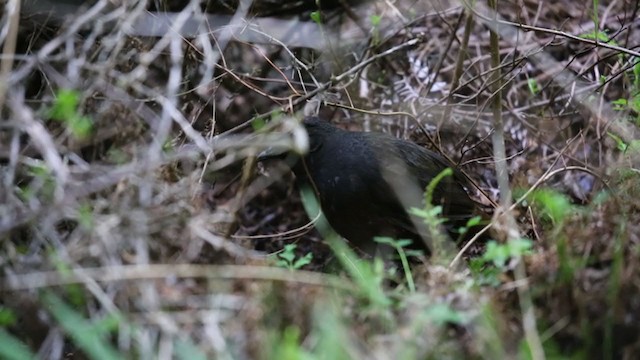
{"type": "Point", "coordinates": [366, 181]}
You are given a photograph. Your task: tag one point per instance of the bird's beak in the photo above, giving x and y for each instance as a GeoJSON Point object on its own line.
{"type": "Point", "coordinates": [273, 152]}
{"type": "Point", "coordinates": [299, 145]}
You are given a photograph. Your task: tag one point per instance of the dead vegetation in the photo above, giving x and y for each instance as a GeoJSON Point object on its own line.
{"type": "Point", "coordinates": [135, 220]}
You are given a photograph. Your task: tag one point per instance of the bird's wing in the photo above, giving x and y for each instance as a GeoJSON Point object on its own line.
{"type": "Point", "coordinates": [450, 191]}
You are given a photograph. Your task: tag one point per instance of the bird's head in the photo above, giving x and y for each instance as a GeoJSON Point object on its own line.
{"type": "Point", "coordinates": [317, 129]}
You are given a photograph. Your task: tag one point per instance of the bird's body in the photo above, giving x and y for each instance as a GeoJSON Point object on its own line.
{"type": "Point", "coordinates": [366, 181]}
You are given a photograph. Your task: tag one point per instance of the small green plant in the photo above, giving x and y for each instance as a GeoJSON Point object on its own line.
{"type": "Point", "coordinates": [85, 216]}
{"type": "Point", "coordinates": [620, 104]}
{"type": "Point", "coordinates": [12, 348]}
{"type": "Point", "coordinates": [118, 156]}
{"type": "Point", "coordinates": [168, 145]}
{"type": "Point", "coordinates": [599, 35]}
{"type": "Point", "coordinates": [368, 276]}
{"type": "Point", "coordinates": [492, 263]}
{"type": "Point", "coordinates": [555, 205]}
{"type": "Point", "coordinates": [74, 292]}
{"type": "Point", "coordinates": [65, 109]}
{"type": "Point", "coordinates": [43, 183]}
{"type": "Point", "coordinates": [316, 17]}
{"type": "Point", "coordinates": [89, 335]}
{"type": "Point", "coordinates": [288, 345]}
{"type": "Point", "coordinates": [375, 20]}
{"type": "Point", "coordinates": [498, 254]}
{"type": "Point", "coordinates": [375, 29]}
{"type": "Point", "coordinates": [534, 88]}
{"type": "Point", "coordinates": [432, 217]}
{"type": "Point", "coordinates": [287, 258]}
{"type": "Point", "coordinates": [484, 275]}
{"type": "Point", "coordinates": [329, 331]}
{"type": "Point", "coordinates": [430, 214]}
{"type": "Point", "coordinates": [258, 124]}
{"type": "Point", "coordinates": [399, 246]}
{"type": "Point", "coordinates": [620, 144]}
{"type": "Point", "coordinates": [471, 223]}
{"type": "Point", "coordinates": [7, 316]}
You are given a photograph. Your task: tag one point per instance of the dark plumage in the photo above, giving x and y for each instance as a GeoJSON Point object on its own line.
{"type": "Point", "coordinates": [365, 181]}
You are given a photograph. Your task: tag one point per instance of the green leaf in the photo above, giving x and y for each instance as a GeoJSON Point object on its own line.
{"type": "Point", "coordinates": [258, 124]}
{"type": "Point", "coordinates": [7, 317]}
{"type": "Point", "coordinates": [288, 252]}
{"type": "Point", "coordinates": [305, 260]}
{"type": "Point", "coordinates": [620, 104]}
{"type": "Point", "coordinates": [496, 253]}
{"type": "Point", "coordinates": [435, 211]}
{"type": "Point", "coordinates": [80, 126]}
{"type": "Point", "coordinates": [533, 86]}
{"type": "Point", "coordinates": [500, 253]}
{"type": "Point", "coordinates": [65, 104]}
{"type": "Point", "coordinates": [74, 291]}
{"type": "Point", "coordinates": [428, 194]}
{"type": "Point", "coordinates": [474, 221]}
{"type": "Point", "coordinates": [84, 333]}
{"type": "Point", "coordinates": [65, 109]}
{"type": "Point", "coordinates": [519, 247]}
{"type": "Point", "coordinates": [287, 258]}
{"type": "Point", "coordinates": [39, 170]}
{"type": "Point", "coordinates": [399, 245]}
{"type": "Point", "coordinates": [85, 216]}
{"type": "Point", "coordinates": [11, 348]}
{"type": "Point", "coordinates": [404, 242]}
{"type": "Point", "coordinates": [600, 35]}
{"type": "Point", "coordinates": [622, 146]}
{"type": "Point", "coordinates": [483, 274]}
{"type": "Point", "coordinates": [375, 20]}
{"type": "Point", "coordinates": [316, 17]}
{"type": "Point", "coordinates": [368, 276]}
{"type": "Point", "coordinates": [553, 203]}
